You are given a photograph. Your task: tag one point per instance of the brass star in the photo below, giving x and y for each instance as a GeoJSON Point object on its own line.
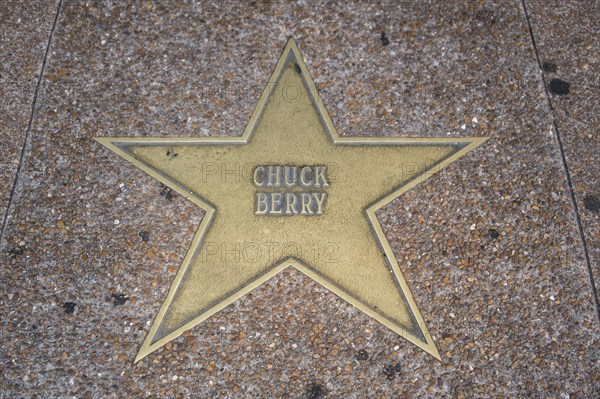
{"type": "Point", "coordinates": [290, 192]}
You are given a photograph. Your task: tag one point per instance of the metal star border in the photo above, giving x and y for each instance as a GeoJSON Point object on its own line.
{"type": "Point", "coordinates": [290, 126]}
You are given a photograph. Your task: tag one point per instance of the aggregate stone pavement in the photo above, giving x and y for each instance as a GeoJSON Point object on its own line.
{"type": "Point", "coordinates": [25, 29]}
{"type": "Point", "coordinates": [567, 41]}
{"type": "Point", "coordinates": [490, 247]}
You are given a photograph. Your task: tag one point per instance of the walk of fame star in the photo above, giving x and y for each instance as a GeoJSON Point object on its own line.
{"type": "Point", "coordinates": [289, 185]}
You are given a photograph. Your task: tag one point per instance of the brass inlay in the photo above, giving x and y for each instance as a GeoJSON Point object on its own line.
{"type": "Point", "coordinates": [289, 192]}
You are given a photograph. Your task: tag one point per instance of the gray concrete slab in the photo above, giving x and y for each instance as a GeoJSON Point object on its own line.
{"type": "Point", "coordinates": [489, 247]}
{"type": "Point", "coordinates": [25, 28]}
{"type": "Point", "coordinates": [566, 36]}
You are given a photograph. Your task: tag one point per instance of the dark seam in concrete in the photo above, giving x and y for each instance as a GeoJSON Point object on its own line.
{"type": "Point", "coordinates": [31, 116]}
{"type": "Point", "coordinates": [565, 165]}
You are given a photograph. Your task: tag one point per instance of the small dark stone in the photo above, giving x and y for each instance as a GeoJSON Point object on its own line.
{"type": "Point", "coordinates": [315, 391]}
{"type": "Point", "coordinates": [549, 67]}
{"type": "Point", "coordinates": [144, 235]}
{"type": "Point", "coordinates": [559, 87]}
{"type": "Point", "coordinates": [362, 355]}
{"type": "Point", "coordinates": [391, 370]}
{"type": "Point", "coordinates": [166, 192]}
{"type": "Point", "coordinates": [119, 299]}
{"type": "Point", "coordinates": [70, 307]}
{"type": "Point", "coordinates": [384, 39]}
{"type": "Point", "coordinates": [297, 68]}
{"type": "Point", "coordinates": [34, 327]}
{"type": "Point", "coordinates": [592, 203]}
{"type": "Point", "coordinates": [16, 251]}
{"type": "Point", "coordinates": [493, 233]}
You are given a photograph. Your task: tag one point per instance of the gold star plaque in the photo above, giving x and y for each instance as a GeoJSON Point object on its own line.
{"type": "Point", "coordinates": [290, 192]}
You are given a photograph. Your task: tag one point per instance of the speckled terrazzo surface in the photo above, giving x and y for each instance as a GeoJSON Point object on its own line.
{"type": "Point", "coordinates": [490, 247]}
{"type": "Point", "coordinates": [568, 41]}
{"type": "Point", "coordinates": [25, 28]}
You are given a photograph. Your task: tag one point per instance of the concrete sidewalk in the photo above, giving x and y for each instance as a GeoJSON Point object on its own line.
{"type": "Point", "coordinates": [500, 250]}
